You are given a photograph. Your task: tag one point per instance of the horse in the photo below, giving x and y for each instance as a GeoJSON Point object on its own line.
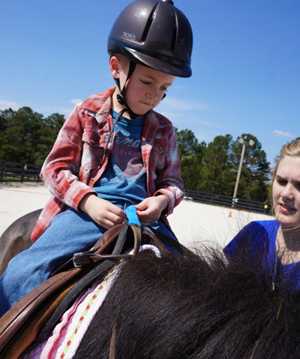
{"type": "Point", "coordinates": [194, 305]}
{"type": "Point", "coordinates": [17, 237]}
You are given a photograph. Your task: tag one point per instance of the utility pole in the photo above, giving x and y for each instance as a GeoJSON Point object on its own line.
{"type": "Point", "coordinates": [244, 141]}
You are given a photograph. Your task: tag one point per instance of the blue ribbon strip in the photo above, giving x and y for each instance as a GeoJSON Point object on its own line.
{"type": "Point", "coordinates": [132, 216]}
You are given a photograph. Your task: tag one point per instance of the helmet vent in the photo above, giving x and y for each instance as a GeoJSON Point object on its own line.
{"type": "Point", "coordinates": [175, 32]}
{"type": "Point", "coordinates": [148, 24]}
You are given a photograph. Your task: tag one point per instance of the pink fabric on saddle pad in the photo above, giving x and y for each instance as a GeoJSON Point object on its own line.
{"type": "Point", "coordinates": [58, 332]}
{"type": "Point", "coordinates": [68, 333]}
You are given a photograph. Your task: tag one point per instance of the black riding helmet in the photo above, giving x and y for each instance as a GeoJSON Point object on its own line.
{"type": "Point", "coordinates": [156, 34]}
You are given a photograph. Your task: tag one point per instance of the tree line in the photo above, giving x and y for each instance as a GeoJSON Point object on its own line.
{"type": "Point", "coordinates": [26, 137]}
{"type": "Point", "coordinates": [212, 167]}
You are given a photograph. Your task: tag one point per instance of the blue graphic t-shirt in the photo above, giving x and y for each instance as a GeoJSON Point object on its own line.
{"type": "Point", "coordinates": [124, 180]}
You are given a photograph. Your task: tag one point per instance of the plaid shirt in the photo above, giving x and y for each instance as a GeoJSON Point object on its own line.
{"type": "Point", "coordinates": [81, 153]}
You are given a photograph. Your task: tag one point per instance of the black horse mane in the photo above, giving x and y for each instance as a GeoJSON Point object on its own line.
{"type": "Point", "coordinates": [194, 306]}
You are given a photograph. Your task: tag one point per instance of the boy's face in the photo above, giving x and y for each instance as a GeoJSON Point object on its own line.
{"type": "Point", "coordinates": [145, 88]}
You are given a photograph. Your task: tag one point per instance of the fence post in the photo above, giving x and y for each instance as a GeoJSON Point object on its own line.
{"type": "Point", "coordinates": [24, 169]}
{"type": "Point", "coordinates": [2, 173]}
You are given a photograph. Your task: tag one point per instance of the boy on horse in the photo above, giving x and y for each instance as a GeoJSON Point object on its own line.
{"type": "Point", "coordinates": [114, 150]}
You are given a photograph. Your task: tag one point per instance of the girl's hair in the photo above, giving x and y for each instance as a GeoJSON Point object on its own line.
{"type": "Point", "coordinates": [291, 148]}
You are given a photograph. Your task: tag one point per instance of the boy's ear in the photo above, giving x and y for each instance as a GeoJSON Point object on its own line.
{"type": "Point", "coordinates": [114, 65]}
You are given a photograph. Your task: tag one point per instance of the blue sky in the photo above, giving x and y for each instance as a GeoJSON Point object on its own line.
{"type": "Point", "coordinates": [246, 63]}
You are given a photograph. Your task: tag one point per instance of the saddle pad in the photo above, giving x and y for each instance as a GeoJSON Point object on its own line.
{"type": "Point", "coordinates": [68, 333]}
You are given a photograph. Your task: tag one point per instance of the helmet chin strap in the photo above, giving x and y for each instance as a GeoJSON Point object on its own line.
{"type": "Point", "coordinates": [121, 96]}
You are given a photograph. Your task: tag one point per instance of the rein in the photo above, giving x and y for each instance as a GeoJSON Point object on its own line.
{"type": "Point", "coordinates": [82, 259]}
{"type": "Point", "coordinates": [89, 257]}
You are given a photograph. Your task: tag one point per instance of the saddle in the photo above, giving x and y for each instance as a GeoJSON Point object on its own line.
{"type": "Point", "coordinates": [24, 322]}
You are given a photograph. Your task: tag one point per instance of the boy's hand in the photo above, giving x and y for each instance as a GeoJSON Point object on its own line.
{"type": "Point", "coordinates": [101, 211]}
{"type": "Point", "coordinates": [150, 209]}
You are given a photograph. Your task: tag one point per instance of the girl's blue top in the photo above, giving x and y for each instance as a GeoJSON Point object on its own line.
{"type": "Point", "coordinates": [256, 244]}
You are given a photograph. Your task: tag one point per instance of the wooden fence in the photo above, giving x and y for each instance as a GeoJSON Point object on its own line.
{"type": "Point", "coordinates": [10, 171]}
{"type": "Point", "coordinates": [227, 201]}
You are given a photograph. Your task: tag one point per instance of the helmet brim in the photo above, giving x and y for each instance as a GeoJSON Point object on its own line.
{"type": "Point", "coordinates": [158, 64]}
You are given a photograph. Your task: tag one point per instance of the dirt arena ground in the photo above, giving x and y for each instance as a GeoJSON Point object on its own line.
{"type": "Point", "coordinates": [193, 223]}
